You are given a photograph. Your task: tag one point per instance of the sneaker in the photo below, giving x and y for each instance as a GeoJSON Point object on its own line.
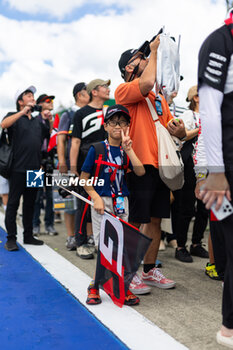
{"type": "Point", "coordinates": [183, 255]}
{"type": "Point", "coordinates": [138, 287]}
{"type": "Point", "coordinates": [36, 230]}
{"type": "Point", "coordinates": [131, 299]}
{"type": "Point", "coordinates": [155, 278]}
{"type": "Point", "coordinates": [91, 244]}
{"type": "Point", "coordinates": [198, 250]}
{"type": "Point", "coordinates": [93, 296]}
{"type": "Point", "coordinates": [211, 272]}
{"type": "Point", "coordinates": [172, 243]}
{"type": "Point", "coordinates": [223, 340]}
{"type": "Point", "coordinates": [162, 245]}
{"type": "Point", "coordinates": [84, 252]}
{"type": "Point", "coordinates": [33, 241]}
{"type": "Point", "coordinates": [71, 243]}
{"type": "Point", "coordinates": [50, 230]}
{"type": "Point", "coordinates": [57, 218]}
{"type": "Point", "coordinates": [11, 245]}
{"type": "Point", "coordinates": [90, 240]}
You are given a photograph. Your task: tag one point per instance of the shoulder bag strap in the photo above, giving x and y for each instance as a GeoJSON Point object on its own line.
{"type": "Point", "coordinates": [152, 110]}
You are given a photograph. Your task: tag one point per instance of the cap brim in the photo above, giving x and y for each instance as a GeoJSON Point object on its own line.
{"type": "Point", "coordinates": [118, 111]}
{"type": "Point", "coordinates": [108, 82]}
{"type": "Point", "coordinates": [50, 97]}
{"type": "Point", "coordinates": [144, 48]}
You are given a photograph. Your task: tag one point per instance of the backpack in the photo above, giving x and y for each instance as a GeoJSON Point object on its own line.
{"type": "Point", "coordinates": [100, 156]}
{"type": "Point", "coordinates": [71, 114]}
{"type": "Point", "coordinates": [168, 66]}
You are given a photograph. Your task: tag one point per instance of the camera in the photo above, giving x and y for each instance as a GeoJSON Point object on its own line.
{"type": "Point", "coordinates": [63, 193]}
{"type": "Point", "coordinates": [36, 108]}
{"type": "Point", "coordinates": [47, 164]}
{"type": "Point", "coordinates": [145, 47]}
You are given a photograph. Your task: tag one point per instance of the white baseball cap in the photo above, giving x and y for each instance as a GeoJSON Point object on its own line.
{"type": "Point", "coordinates": [22, 90]}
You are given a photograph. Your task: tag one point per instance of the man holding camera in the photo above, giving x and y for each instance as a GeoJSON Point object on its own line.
{"type": "Point", "coordinates": [149, 199]}
{"type": "Point", "coordinates": [46, 118]}
{"type": "Point", "coordinates": [26, 134]}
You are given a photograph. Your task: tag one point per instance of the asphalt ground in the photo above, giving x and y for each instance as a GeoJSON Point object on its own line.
{"type": "Point", "coordinates": [190, 313]}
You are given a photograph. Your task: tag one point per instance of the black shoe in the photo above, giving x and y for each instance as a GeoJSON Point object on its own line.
{"type": "Point", "coordinates": [199, 251]}
{"type": "Point", "coordinates": [183, 255]}
{"type": "Point", "coordinates": [11, 245]}
{"type": "Point", "coordinates": [32, 240]}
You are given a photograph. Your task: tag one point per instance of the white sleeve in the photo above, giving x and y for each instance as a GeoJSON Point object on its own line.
{"type": "Point", "coordinates": [210, 116]}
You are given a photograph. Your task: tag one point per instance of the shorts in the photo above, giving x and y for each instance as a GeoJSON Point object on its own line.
{"type": "Point", "coordinates": [97, 218]}
{"type": "Point", "coordinates": [4, 185]}
{"type": "Point", "coordinates": [70, 211]}
{"type": "Point", "coordinates": [149, 196]}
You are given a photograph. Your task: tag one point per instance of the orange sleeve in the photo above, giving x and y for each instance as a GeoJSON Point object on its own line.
{"type": "Point", "coordinates": [128, 93]}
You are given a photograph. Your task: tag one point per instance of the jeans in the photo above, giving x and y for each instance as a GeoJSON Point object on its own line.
{"type": "Point", "coordinates": [183, 209]}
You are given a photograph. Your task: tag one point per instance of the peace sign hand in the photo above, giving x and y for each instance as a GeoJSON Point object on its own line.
{"type": "Point", "coordinates": [126, 141]}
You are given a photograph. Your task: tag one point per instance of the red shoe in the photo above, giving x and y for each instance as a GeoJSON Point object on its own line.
{"type": "Point", "coordinates": [131, 299]}
{"type": "Point", "coordinates": [138, 287]}
{"type": "Point", "coordinates": [155, 278]}
{"type": "Point", "coordinates": [93, 297]}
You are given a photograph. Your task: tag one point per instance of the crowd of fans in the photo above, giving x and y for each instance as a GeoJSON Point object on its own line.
{"type": "Point", "coordinates": [126, 137]}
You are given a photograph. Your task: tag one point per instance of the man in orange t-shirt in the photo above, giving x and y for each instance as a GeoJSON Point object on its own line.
{"type": "Point", "coordinates": [149, 197]}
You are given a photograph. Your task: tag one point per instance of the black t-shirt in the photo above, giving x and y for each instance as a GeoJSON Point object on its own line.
{"type": "Point", "coordinates": [216, 70]}
{"type": "Point", "coordinates": [88, 126]}
{"type": "Point", "coordinates": [26, 136]}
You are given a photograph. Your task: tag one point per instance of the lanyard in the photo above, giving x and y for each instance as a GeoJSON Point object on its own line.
{"type": "Point", "coordinates": [112, 168]}
{"type": "Point", "coordinates": [195, 120]}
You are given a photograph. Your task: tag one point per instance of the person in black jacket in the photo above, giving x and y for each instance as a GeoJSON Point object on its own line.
{"type": "Point", "coordinates": [26, 134]}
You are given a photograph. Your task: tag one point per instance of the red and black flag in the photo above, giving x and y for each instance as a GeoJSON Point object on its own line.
{"type": "Point", "coordinates": [53, 136]}
{"type": "Point", "coordinates": [121, 249]}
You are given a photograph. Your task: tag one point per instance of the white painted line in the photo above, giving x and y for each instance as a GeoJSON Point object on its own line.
{"type": "Point", "coordinates": [127, 324]}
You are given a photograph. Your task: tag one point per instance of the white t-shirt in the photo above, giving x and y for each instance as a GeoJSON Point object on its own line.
{"type": "Point", "coordinates": [190, 119]}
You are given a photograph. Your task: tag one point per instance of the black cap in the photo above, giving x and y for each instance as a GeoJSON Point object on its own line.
{"type": "Point", "coordinates": [127, 55]}
{"type": "Point", "coordinates": [124, 59]}
{"type": "Point", "coordinates": [44, 97]}
{"type": "Point", "coordinates": [112, 110]}
{"type": "Point", "coordinates": [78, 87]}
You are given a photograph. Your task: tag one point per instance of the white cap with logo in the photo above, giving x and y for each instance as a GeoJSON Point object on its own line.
{"type": "Point", "coordinates": [23, 89]}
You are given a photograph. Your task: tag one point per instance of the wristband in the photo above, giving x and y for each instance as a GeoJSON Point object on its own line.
{"type": "Point", "coordinates": [201, 176]}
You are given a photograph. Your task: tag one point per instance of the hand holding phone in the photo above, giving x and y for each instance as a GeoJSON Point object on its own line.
{"type": "Point", "coordinates": [224, 211]}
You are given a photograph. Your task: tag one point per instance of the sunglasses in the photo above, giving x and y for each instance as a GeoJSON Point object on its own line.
{"type": "Point", "coordinates": [142, 56]}
{"type": "Point", "coordinates": [48, 100]}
